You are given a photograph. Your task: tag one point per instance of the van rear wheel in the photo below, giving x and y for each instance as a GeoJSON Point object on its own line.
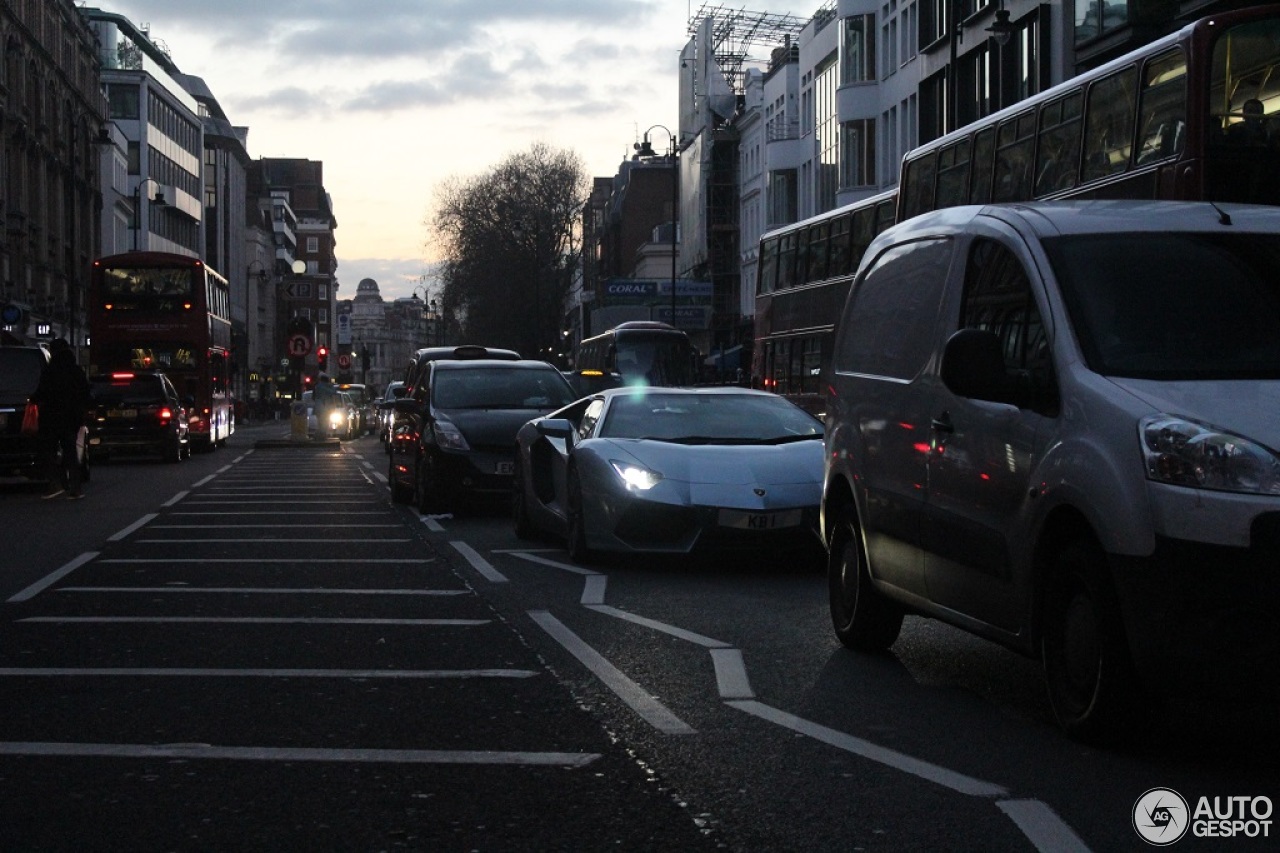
{"type": "Point", "coordinates": [1092, 684]}
{"type": "Point", "coordinates": [863, 618]}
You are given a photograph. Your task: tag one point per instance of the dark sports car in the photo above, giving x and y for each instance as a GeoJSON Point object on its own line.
{"type": "Point", "coordinates": [672, 470]}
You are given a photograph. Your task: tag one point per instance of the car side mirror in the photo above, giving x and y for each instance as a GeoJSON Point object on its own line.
{"type": "Point", "coordinates": [973, 366]}
{"type": "Point", "coordinates": [557, 428]}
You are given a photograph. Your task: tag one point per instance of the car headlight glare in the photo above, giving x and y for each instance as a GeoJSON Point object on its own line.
{"type": "Point", "coordinates": [335, 419]}
{"type": "Point", "coordinates": [448, 437]}
{"type": "Point", "coordinates": [1186, 453]}
{"type": "Point", "coordinates": [635, 476]}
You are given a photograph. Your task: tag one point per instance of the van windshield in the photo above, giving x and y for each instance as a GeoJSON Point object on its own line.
{"type": "Point", "coordinates": [1173, 306]}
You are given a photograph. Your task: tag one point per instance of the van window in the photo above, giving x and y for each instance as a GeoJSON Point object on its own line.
{"type": "Point", "coordinates": [889, 325]}
{"type": "Point", "coordinates": [998, 298]}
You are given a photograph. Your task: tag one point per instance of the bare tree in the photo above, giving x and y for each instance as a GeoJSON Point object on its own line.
{"type": "Point", "coordinates": [511, 242]}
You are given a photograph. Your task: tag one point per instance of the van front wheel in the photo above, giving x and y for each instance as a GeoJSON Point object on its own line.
{"type": "Point", "coordinates": [863, 618]}
{"type": "Point", "coordinates": [1091, 681]}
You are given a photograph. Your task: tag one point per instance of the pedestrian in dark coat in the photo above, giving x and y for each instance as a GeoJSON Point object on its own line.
{"type": "Point", "coordinates": [63, 398]}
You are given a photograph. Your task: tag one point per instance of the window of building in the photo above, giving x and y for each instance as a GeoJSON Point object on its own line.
{"type": "Point", "coordinates": [1098, 17]}
{"type": "Point", "coordinates": [859, 49]}
{"type": "Point", "coordinates": [859, 154]}
{"type": "Point", "coordinates": [827, 126]}
{"type": "Point", "coordinates": [313, 244]}
{"type": "Point", "coordinates": [122, 101]}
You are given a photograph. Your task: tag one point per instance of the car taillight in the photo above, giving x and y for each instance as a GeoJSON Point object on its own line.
{"type": "Point", "coordinates": [165, 414]}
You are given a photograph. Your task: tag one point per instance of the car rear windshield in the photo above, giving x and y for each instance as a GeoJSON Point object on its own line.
{"type": "Point", "coordinates": [500, 388]}
{"type": "Point", "coordinates": [129, 392]}
{"type": "Point", "coordinates": [1174, 306]}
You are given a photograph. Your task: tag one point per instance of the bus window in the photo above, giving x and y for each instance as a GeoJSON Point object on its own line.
{"type": "Point", "coordinates": [1058, 151]}
{"type": "Point", "coordinates": [953, 174]}
{"type": "Point", "coordinates": [1162, 117]}
{"type": "Point", "coordinates": [983, 168]}
{"type": "Point", "coordinates": [817, 266]}
{"type": "Point", "coordinates": [917, 185]}
{"type": "Point", "coordinates": [1015, 139]}
{"type": "Point", "coordinates": [1108, 127]}
{"type": "Point", "coordinates": [768, 275]}
{"type": "Point", "coordinates": [1246, 66]}
{"type": "Point", "coordinates": [786, 261]}
{"type": "Point", "coordinates": [840, 259]}
{"type": "Point", "coordinates": [800, 276]}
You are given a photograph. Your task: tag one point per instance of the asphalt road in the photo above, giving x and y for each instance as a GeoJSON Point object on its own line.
{"type": "Point", "coordinates": [257, 650]}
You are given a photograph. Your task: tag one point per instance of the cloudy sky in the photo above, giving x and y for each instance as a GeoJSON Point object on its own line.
{"type": "Point", "coordinates": [395, 96]}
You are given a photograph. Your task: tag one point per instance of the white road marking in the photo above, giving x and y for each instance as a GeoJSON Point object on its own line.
{"type": "Point", "coordinates": [706, 642]}
{"type": "Point", "coordinates": [650, 710]}
{"type": "Point", "coordinates": [256, 525]}
{"type": "Point", "coordinates": [479, 563]}
{"type": "Point", "coordinates": [117, 536]}
{"type": "Point", "coordinates": [53, 577]}
{"type": "Point", "coordinates": [1042, 826]}
{"type": "Point", "coordinates": [593, 589]}
{"type": "Point", "coordinates": [890, 758]}
{"type": "Point", "coordinates": [254, 753]}
{"type": "Point", "coordinates": [175, 499]}
{"type": "Point", "coordinates": [555, 564]}
{"type": "Point", "coordinates": [731, 674]}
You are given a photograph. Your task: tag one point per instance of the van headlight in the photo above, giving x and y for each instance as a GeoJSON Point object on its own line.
{"type": "Point", "coordinates": [1183, 452]}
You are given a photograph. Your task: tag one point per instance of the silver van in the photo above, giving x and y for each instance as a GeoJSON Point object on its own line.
{"type": "Point", "coordinates": [1057, 426]}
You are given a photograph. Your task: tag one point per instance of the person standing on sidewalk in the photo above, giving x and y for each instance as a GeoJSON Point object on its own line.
{"type": "Point", "coordinates": [63, 398]}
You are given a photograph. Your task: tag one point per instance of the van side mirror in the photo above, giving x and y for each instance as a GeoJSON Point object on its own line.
{"type": "Point", "coordinates": [973, 367]}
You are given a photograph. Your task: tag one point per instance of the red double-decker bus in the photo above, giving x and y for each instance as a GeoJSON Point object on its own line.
{"type": "Point", "coordinates": [161, 311]}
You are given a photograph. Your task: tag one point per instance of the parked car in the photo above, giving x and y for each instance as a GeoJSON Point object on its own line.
{"type": "Point", "coordinates": [455, 436]}
{"type": "Point", "coordinates": [20, 370]}
{"type": "Point", "coordinates": [27, 456]}
{"type": "Point", "coordinates": [137, 412]}
{"type": "Point", "coordinates": [386, 411]}
{"type": "Point", "coordinates": [673, 471]}
{"type": "Point", "coordinates": [1052, 425]}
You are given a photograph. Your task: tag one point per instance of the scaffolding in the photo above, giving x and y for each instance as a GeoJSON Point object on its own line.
{"type": "Point", "coordinates": [736, 32]}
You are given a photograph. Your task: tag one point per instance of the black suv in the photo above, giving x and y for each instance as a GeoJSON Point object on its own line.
{"type": "Point", "coordinates": [20, 371]}
{"type": "Point", "coordinates": [137, 411]}
{"type": "Point", "coordinates": [455, 434]}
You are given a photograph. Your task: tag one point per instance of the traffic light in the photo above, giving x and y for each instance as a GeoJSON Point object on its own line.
{"type": "Point", "coordinates": [322, 357]}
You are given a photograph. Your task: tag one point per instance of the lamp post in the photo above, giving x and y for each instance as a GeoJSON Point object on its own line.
{"type": "Point", "coordinates": [157, 199]}
{"type": "Point", "coordinates": [645, 149]}
{"type": "Point", "coordinates": [1001, 30]}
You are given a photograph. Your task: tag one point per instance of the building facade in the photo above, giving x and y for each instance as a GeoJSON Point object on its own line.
{"type": "Point", "coordinates": [51, 116]}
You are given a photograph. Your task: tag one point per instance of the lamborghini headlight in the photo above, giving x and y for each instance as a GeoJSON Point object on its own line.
{"type": "Point", "coordinates": [635, 476]}
{"type": "Point", "coordinates": [1183, 452]}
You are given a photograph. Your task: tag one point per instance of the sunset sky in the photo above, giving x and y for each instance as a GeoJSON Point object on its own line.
{"type": "Point", "coordinates": [395, 96]}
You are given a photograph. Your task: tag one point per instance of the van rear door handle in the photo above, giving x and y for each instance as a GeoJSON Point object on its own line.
{"type": "Point", "coordinates": [942, 423]}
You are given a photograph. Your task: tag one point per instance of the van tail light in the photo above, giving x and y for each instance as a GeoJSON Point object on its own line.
{"type": "Point", "coordinates": [164, 415]}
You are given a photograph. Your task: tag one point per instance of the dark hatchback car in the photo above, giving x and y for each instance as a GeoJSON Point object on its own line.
{"type": "Point", "coordinates": [20, 370]}
{"type": "Point", "coordinates": [137, 412]}
{"type": "Point", "coordinates": [455, 436]}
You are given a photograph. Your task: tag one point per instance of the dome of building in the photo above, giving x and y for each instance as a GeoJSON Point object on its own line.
{"type": "Point", "coordinates": [367, 291]}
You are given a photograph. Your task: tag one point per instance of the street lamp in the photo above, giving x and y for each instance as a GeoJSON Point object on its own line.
{"type": "Point", "coordinates": [435, 323]}
{"type": "Point", "coordinates": [157, 199]}
{"type": "Point", "coordinates": [645, 149]}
